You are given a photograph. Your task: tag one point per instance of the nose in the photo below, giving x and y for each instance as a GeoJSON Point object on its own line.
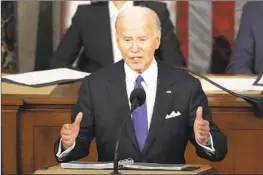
{"type": "Point", "coordinates": [134, 47]}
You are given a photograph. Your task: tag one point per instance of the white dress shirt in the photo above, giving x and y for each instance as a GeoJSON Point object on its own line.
{"type": "Point", "coordinates": [114, 11]}
{"type": "Point", "coordinates": [150, 86]}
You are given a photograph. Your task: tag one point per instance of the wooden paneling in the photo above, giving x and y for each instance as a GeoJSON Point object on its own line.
{"type": "Point", "coordinates": [248, 153]}
{"type": "Point", "coordinates": [10, 105]}
{"type": "Point", "coordinates": [40, 130]}
{"type": "Point", "coordinates": [244, 135]}
{"type": "Point", "coordinates": [224, 167]}
{"type": "Point", "coordinates": [43, 141]}
{"type": "Point", "coordinates": [9, 141]}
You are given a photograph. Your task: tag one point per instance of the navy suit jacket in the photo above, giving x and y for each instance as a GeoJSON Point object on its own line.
{"type": "Point", "coordinates": [104, 103]}
{"type": "Point", "coordinates": [247, 57]}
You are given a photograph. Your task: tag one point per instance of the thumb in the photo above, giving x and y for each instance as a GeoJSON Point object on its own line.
{"type": "Point", "coordinates": [78, 119]}
{"type": "Point", "coordinates": [199, 113]}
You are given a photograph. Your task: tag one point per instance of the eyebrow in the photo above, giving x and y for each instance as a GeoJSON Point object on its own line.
{"type": "Point", "coordinates": [141, 36]}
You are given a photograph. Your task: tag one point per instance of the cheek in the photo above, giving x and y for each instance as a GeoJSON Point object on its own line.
{"type": "Point", "coordinates": [123, 49]}
{"type": "Point", "coordinates": [146, 47]}
{"type": "Point", "coordinates": [149, 49]}
{"type": "Point", "coordinates": [125, 45]}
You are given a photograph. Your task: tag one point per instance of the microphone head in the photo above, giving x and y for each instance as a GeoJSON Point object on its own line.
{"type": "Point", "coordinates": [138, 96]}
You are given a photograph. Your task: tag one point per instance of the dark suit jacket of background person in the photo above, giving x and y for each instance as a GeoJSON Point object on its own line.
{"type": "Point", "coordinates": [104, 103]}
{"type": "Point", "coordinates": [91, 29]}
{"type": "Point", "coordinates": [247, 57]}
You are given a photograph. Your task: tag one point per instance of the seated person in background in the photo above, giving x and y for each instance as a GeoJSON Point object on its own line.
{"type": "Point", "coordinates": [176, 108]}
{"type": "Point", "coordinates": [93, 30]}
{"type": "Point", "coordinates": [247, 56]}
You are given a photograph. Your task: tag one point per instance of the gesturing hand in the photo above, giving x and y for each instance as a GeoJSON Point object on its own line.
{"type": "Point", "coordinates": [201, 127]}
{"type": "Point", "coordinates": [69, 132]}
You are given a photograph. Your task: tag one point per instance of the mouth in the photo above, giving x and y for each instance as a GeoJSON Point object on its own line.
{"type": "Point", "coordinates": [136, 59]}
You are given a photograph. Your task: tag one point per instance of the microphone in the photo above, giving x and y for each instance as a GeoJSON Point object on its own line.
{"type": "Point", "coordinates": [137, 98]}
{"type": "Point", "coordinates": [255, 102]}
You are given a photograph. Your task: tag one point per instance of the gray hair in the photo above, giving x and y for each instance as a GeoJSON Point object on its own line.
{"type": "Point", "coordinates": [139, 10]}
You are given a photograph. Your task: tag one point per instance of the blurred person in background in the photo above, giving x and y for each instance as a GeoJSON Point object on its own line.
{"type": "Point", "coordinates": [247, 57]}
{"type": "Point", "coordinates": [93, 33]}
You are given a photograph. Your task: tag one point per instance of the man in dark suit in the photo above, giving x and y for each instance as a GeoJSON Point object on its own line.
{"type": "Point", "coordinates": [176, 109]}
{"type": "Point", "coordinates": [93, 30]}
{"type": "Point", "coordinates": [247, 57]}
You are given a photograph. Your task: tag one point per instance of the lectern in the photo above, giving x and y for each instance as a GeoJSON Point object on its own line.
{"type": "Point", "coordinates": [193, 169]}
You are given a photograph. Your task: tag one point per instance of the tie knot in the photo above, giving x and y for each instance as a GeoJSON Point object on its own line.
{"type": "Point", "coordinates": [139, 81]}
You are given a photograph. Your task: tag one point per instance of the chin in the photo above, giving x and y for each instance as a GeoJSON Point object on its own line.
{"type": "Point", "coordinates": [137, 68]}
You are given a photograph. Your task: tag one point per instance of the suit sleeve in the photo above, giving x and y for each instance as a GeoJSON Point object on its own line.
{"type": "Point", "coordinates": [169, 50]}
{"type": "Point", "coordinates": [198, 98]}
{"type": "Point", "coordinates": [86, 133]}
{"type": "Point", "coordinates": [242, 59]}
{"type": "Point", "coordinates": [70, 45]}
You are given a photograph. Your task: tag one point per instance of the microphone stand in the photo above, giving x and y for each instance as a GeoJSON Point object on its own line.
{"type": "Point", "coordinates": [116, 162]}
{"type": "Point", "coordinates": [257, 103]}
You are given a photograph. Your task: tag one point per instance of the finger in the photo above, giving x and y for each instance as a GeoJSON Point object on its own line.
{"type": "Point", "coordinates": [203, 130]}
{"type": "Point", "coordinates": [199, 113]}
{"type": "Point", "coordinates": [66, 127]}
{"type": "Point", "coordinates": [201, 138]}
{"type": "Point", "coordinates": [203, 127]}
{"type": "Point", "coordinates": [67, 144]}
{"type": "Point", "coordinates": [78, 119]}
{"type": "Point", "coordinates": [203, 133]}
{"type": "Point", "coordinates": [66, 137]}
{"type": "Point", "coordinates": [202, 123]}
{"type": "Point", "coordinates": [66, 132]}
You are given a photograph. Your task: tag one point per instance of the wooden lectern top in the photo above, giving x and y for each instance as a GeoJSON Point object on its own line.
{"type": "Point", "coordinates": [203, 169]}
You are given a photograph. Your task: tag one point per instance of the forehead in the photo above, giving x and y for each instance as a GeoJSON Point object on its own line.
{"type": "Point", "coordinates": [135, 26]}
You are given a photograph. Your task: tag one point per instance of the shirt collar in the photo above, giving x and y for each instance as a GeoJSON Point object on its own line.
{"type": "Point", "coordinates": [147, 75]}
{"type": "Point", "coordinates": [114, 11]}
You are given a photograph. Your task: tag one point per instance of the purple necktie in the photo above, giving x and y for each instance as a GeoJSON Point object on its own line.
{"type": "Point", "coordinates": [140, 119]}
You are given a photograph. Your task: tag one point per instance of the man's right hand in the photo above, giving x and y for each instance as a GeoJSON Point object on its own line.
{"type": "Point", "coordinates": [69, 132]}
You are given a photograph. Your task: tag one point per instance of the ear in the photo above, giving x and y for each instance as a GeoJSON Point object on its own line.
{"type": "Point", "coordinates": [117, 39]}
{"type": "Point", "coordinates": [158, 40]}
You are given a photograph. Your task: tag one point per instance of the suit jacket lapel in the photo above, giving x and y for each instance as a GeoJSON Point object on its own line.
{"type": "Point", "coordinates": [119, 101]}
{"type": "Point", "coordinates": [161, 106]}
{"type": "Point", "coordinates": [102, 29]}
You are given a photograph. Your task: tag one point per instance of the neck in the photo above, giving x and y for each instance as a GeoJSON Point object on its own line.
{"type": "Point", "coordinates": [140, 71]}
{"type": "Point", "coordinates": [118, 4]}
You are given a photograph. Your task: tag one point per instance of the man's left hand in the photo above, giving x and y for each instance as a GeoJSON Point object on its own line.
{"type": "Point", "coordinates": [201, 128]}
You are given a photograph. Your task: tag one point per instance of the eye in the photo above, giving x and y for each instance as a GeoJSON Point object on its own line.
{"type": "Point", "coordinates": [142, 39]}
{"type": "Point", "coordinates": [127, 39]}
